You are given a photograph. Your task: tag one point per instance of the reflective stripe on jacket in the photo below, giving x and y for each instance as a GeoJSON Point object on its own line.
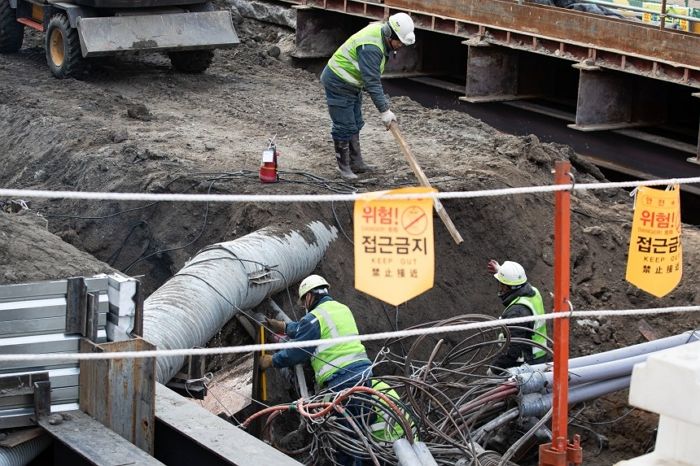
{"type": "Point", "coordinates": [539, 335]}
{"type": "Point", "coordinates": [335, 320]}
{"type": "Point", "coordinates": [344, 61]}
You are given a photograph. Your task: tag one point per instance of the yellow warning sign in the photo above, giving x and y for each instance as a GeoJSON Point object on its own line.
{"type": "Point", "coordinates": [394, 250]}
{"type": "Point", "coordinates": [655, 258]}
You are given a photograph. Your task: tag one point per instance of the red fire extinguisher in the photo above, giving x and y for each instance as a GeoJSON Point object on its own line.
{"type": "Point", "coordinates": [268, 167]}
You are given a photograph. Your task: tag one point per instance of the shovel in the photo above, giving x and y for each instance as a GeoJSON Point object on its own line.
{"type": "Point", "coordinates": [394, 128]}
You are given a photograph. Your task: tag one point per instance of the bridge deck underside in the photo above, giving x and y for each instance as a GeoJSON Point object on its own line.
{"type": "Point", "coordinates": [616, 73]}
{"type": "Point", "coordinates": [618, 44]}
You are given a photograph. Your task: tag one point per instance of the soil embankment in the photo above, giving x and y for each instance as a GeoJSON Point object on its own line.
{"type": "Point", "coordinates": [133, 125]}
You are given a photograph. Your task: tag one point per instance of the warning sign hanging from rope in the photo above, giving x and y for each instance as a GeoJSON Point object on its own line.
{"type": "Point", "coordinates": [394, 250]}
{"type": "Point", "coordinates": [655, 258]}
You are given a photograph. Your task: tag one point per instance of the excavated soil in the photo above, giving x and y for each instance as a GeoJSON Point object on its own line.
{"type": "Point", "coordinates": [132, 124]}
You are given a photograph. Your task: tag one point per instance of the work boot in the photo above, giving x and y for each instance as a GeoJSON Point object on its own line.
{"type": "Point", "coordinates": [342, 155]}
{"type": "Point", "coordinates": [356, 163]}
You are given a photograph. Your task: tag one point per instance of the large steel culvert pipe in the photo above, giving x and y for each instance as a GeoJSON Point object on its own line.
{"type": "Point", "coordinates": [225, 278]}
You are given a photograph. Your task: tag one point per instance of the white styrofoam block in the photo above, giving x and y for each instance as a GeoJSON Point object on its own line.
{"type": "Point", "coordinates": [668, 383]}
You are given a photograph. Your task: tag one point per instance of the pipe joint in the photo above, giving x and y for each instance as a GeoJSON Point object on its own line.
{"type": "Point", "coordinates": [531, 382]}
{"type": "Point", "coordinates": [534, 405]}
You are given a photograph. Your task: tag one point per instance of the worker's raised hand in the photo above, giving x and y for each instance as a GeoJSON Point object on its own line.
{"type": "Point", "coordinates": [265, 362]}
{"type": "Point", "coordinates": [275, 325]}
{"type": "Point", "coordinates": [493, 266]}
{"type": "Point", "coordinates": [388, 117]}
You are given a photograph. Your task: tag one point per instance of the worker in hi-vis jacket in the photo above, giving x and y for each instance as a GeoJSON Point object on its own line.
{"type": "Point", "coordinates": [336, 366]}
{"type": "Point", "coordinates": [358, 64]}
{"type": "Point", "coordinates": [520, 299]}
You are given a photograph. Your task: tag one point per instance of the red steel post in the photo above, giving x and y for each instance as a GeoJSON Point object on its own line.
{"type": "Point", "coordinates": [562, 227]}
{"type": "Point", "coordinates": [560, 451]}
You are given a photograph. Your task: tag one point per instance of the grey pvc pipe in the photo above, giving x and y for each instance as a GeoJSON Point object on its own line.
{"type": "Point", "coordinates": [423, 453]}
{"type": "Point", "coordinates": [24, 453]}
{"type": "Point", "coordinates": [537, 405]}
{"type": "Point", "coordinates": [628, 351]}
{"type": "Point", "coordinates": [595, 390]}
{"type": "Point", "coordinates": [223, 279]}
{"type": "Point", "coordinates": [602, 371]}
{"type": "Point", "coordinates": [405, 454]}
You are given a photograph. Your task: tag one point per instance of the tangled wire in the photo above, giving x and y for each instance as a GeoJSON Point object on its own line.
{"type": "Point", "coordinates": [436, 390]}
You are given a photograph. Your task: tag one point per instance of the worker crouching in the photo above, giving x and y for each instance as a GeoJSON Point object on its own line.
{"type": "Point", "coordinates": [520, 299]}
{"type": "Point", "coordinates": [336, 366]}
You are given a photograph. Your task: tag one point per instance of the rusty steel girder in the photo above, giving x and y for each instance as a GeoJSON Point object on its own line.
{"type": "Point", "coordinates": [621, 45]}
{"type": "Point", "coordinates": [567, 25]}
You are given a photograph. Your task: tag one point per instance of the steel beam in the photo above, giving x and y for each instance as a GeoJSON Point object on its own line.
{"type": "Point", "coordinates": [567, 25]}
{"type": "Point", "coordinates": [634, 48]}
{"type": "Point", "coordinates": [319, 33]}
{"type": "Point", "coordinates": [188, 434]}
{"type": "Point", "coordinates": [119, 393]}
{"type": "Point", "coordinates": [696, 159]}
{"type": "Point", "coordinates": [34, 344]}
{"type": "Point", "coordinates": [492, 73]}
{"type": "Point", "coordinates": [609, 100]}
{"type": "Point", "coordinates": [95, 442]}
{"type": "Point", "coordinates": [32, 290]}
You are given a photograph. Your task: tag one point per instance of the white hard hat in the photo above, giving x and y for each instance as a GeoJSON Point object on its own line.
{"type": "Point", "coordinates": [511, 274]}
{"type": "Point", "coordinates": [311, 282]}
{"type": "Point", "coordinates": [402, 25]}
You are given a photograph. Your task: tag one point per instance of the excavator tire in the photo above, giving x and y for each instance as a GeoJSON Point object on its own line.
{"type": "Point", "coordinates": [62, 45]}
{"type": "Point", "coordinates": [191, 61]}
{"type": "Point", "coordinates": [11, 32]}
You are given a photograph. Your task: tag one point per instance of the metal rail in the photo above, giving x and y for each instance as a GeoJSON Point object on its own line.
{"type": "Point", "coordinates": [618, 6]}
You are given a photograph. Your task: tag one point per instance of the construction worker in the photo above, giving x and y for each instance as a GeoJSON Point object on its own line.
{"type": "Point", "coordinates": [384, 426]}
{"type": "Point", "coordinates": [520, 299]}
{"type": "Point", "coordinates": [336, 366]}
{"type": "Point", "coordinates": [358, 64]}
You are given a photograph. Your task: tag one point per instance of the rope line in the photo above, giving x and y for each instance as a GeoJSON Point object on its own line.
{"type": "Point", "coordinates": [365, 337]}
{"type": "Point", "coordinates": [86, 195]}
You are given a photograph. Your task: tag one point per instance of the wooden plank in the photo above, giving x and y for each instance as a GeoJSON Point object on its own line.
{"type": "Point", "coordinates": [95, 442]}
{"type": "Point", "coordinates": [19, 437]}
{"type": "Point", "coordinates": [424, 182]}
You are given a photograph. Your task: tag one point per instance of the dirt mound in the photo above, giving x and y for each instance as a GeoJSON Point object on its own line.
{"type": "Point", "coordinates": [29, 252]}
{"type": "Point", "coordinates": [132, 124]}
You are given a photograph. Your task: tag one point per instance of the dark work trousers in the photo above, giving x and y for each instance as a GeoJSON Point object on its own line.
{"type": "Point", "coordinates": [355, 408]}
{"type": "Point", "coordinates": [344, 106]}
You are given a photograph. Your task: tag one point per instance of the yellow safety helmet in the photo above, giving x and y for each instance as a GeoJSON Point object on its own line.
{"type": "Point", "coordinates": [511, 273]}
{"type": "Point", "coordinates": [311, 282]}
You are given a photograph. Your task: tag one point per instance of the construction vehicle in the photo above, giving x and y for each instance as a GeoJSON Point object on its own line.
{"type": "Point", "coordinates": [77, 30]}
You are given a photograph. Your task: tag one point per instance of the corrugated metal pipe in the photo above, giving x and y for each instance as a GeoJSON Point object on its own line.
{"type": "Point", "coordinates": [24, 453]}
{"type": "Point", "coordinates": [225, 278]}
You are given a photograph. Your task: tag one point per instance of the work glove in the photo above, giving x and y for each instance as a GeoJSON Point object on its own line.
{"type": "Point", "coordinates": [493, 266]}
{"type": "Point", "coordinates": [388, 117]}
{"type": "Point", "coordinates": [265, 362]}
{"type": "Point", "coordinates": [277, 326]}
